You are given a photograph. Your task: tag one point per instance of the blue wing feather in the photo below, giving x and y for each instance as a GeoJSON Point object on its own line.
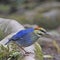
{"type": "Point", "coordinates": [22, 33]}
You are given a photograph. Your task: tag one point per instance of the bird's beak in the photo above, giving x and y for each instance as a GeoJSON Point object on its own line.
{"type": "Point", "coordinates": [47, 34]}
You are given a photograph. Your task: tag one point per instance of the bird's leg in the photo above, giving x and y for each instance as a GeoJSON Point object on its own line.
{"type": "Point", "coordinates": [26, 53]}
{"type": "Point", "coordinates": [23, 49]}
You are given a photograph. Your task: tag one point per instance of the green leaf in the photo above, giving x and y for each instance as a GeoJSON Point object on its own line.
{"type": "Point", "coordinates": [38, 52]}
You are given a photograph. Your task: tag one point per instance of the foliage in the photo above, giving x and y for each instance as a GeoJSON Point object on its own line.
{"type": "Point", "coordinates": [38, 52]}
{"type": "Point", "coordinates": [11, 52]}
{"type": "Point", "coordinates": [7, 54]}
{"type": "Point", "coordinates": [56, 46]}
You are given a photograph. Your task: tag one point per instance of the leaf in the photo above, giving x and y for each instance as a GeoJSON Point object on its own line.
{"type": "Point", "coordinates": [38, 52]}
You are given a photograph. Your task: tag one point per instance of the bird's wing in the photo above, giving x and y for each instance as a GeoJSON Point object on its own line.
{"type": "Point", "coordinates": [21, 33]}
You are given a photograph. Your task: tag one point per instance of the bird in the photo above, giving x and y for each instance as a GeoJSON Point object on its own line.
{"type": "Point", "coordinates": [27, 37]}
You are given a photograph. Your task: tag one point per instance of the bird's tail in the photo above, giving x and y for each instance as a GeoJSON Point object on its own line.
{"type": "Point", "coordinates": [4, 42]}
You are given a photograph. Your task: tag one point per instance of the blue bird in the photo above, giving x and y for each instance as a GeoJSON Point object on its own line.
{"type": "Point", "coordinates": [27, 37]}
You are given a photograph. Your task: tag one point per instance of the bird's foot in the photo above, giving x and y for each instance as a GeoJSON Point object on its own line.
{"type": "Point", "coordinates": [28, 53]}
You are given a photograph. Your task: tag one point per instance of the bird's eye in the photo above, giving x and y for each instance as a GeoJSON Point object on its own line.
{"type": "Point", "coordinates": [43, 31]}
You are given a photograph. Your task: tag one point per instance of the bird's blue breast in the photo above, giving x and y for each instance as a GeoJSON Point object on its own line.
{"type": "Point", "coordinates": [25, 37]}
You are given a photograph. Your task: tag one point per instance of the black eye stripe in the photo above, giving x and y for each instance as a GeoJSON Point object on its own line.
{"type": "Point", "coordinates": [43, 31]}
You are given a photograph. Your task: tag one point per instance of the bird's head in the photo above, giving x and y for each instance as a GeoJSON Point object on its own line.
{"type": "Point", "coordinates": [40, 31]}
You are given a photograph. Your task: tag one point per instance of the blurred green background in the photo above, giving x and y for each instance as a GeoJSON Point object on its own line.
{"type": "Point", "coordinates": [45, 13]}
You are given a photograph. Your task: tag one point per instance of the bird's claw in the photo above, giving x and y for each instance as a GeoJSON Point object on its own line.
{"type": "Point", "coordinates": [28, 53]}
